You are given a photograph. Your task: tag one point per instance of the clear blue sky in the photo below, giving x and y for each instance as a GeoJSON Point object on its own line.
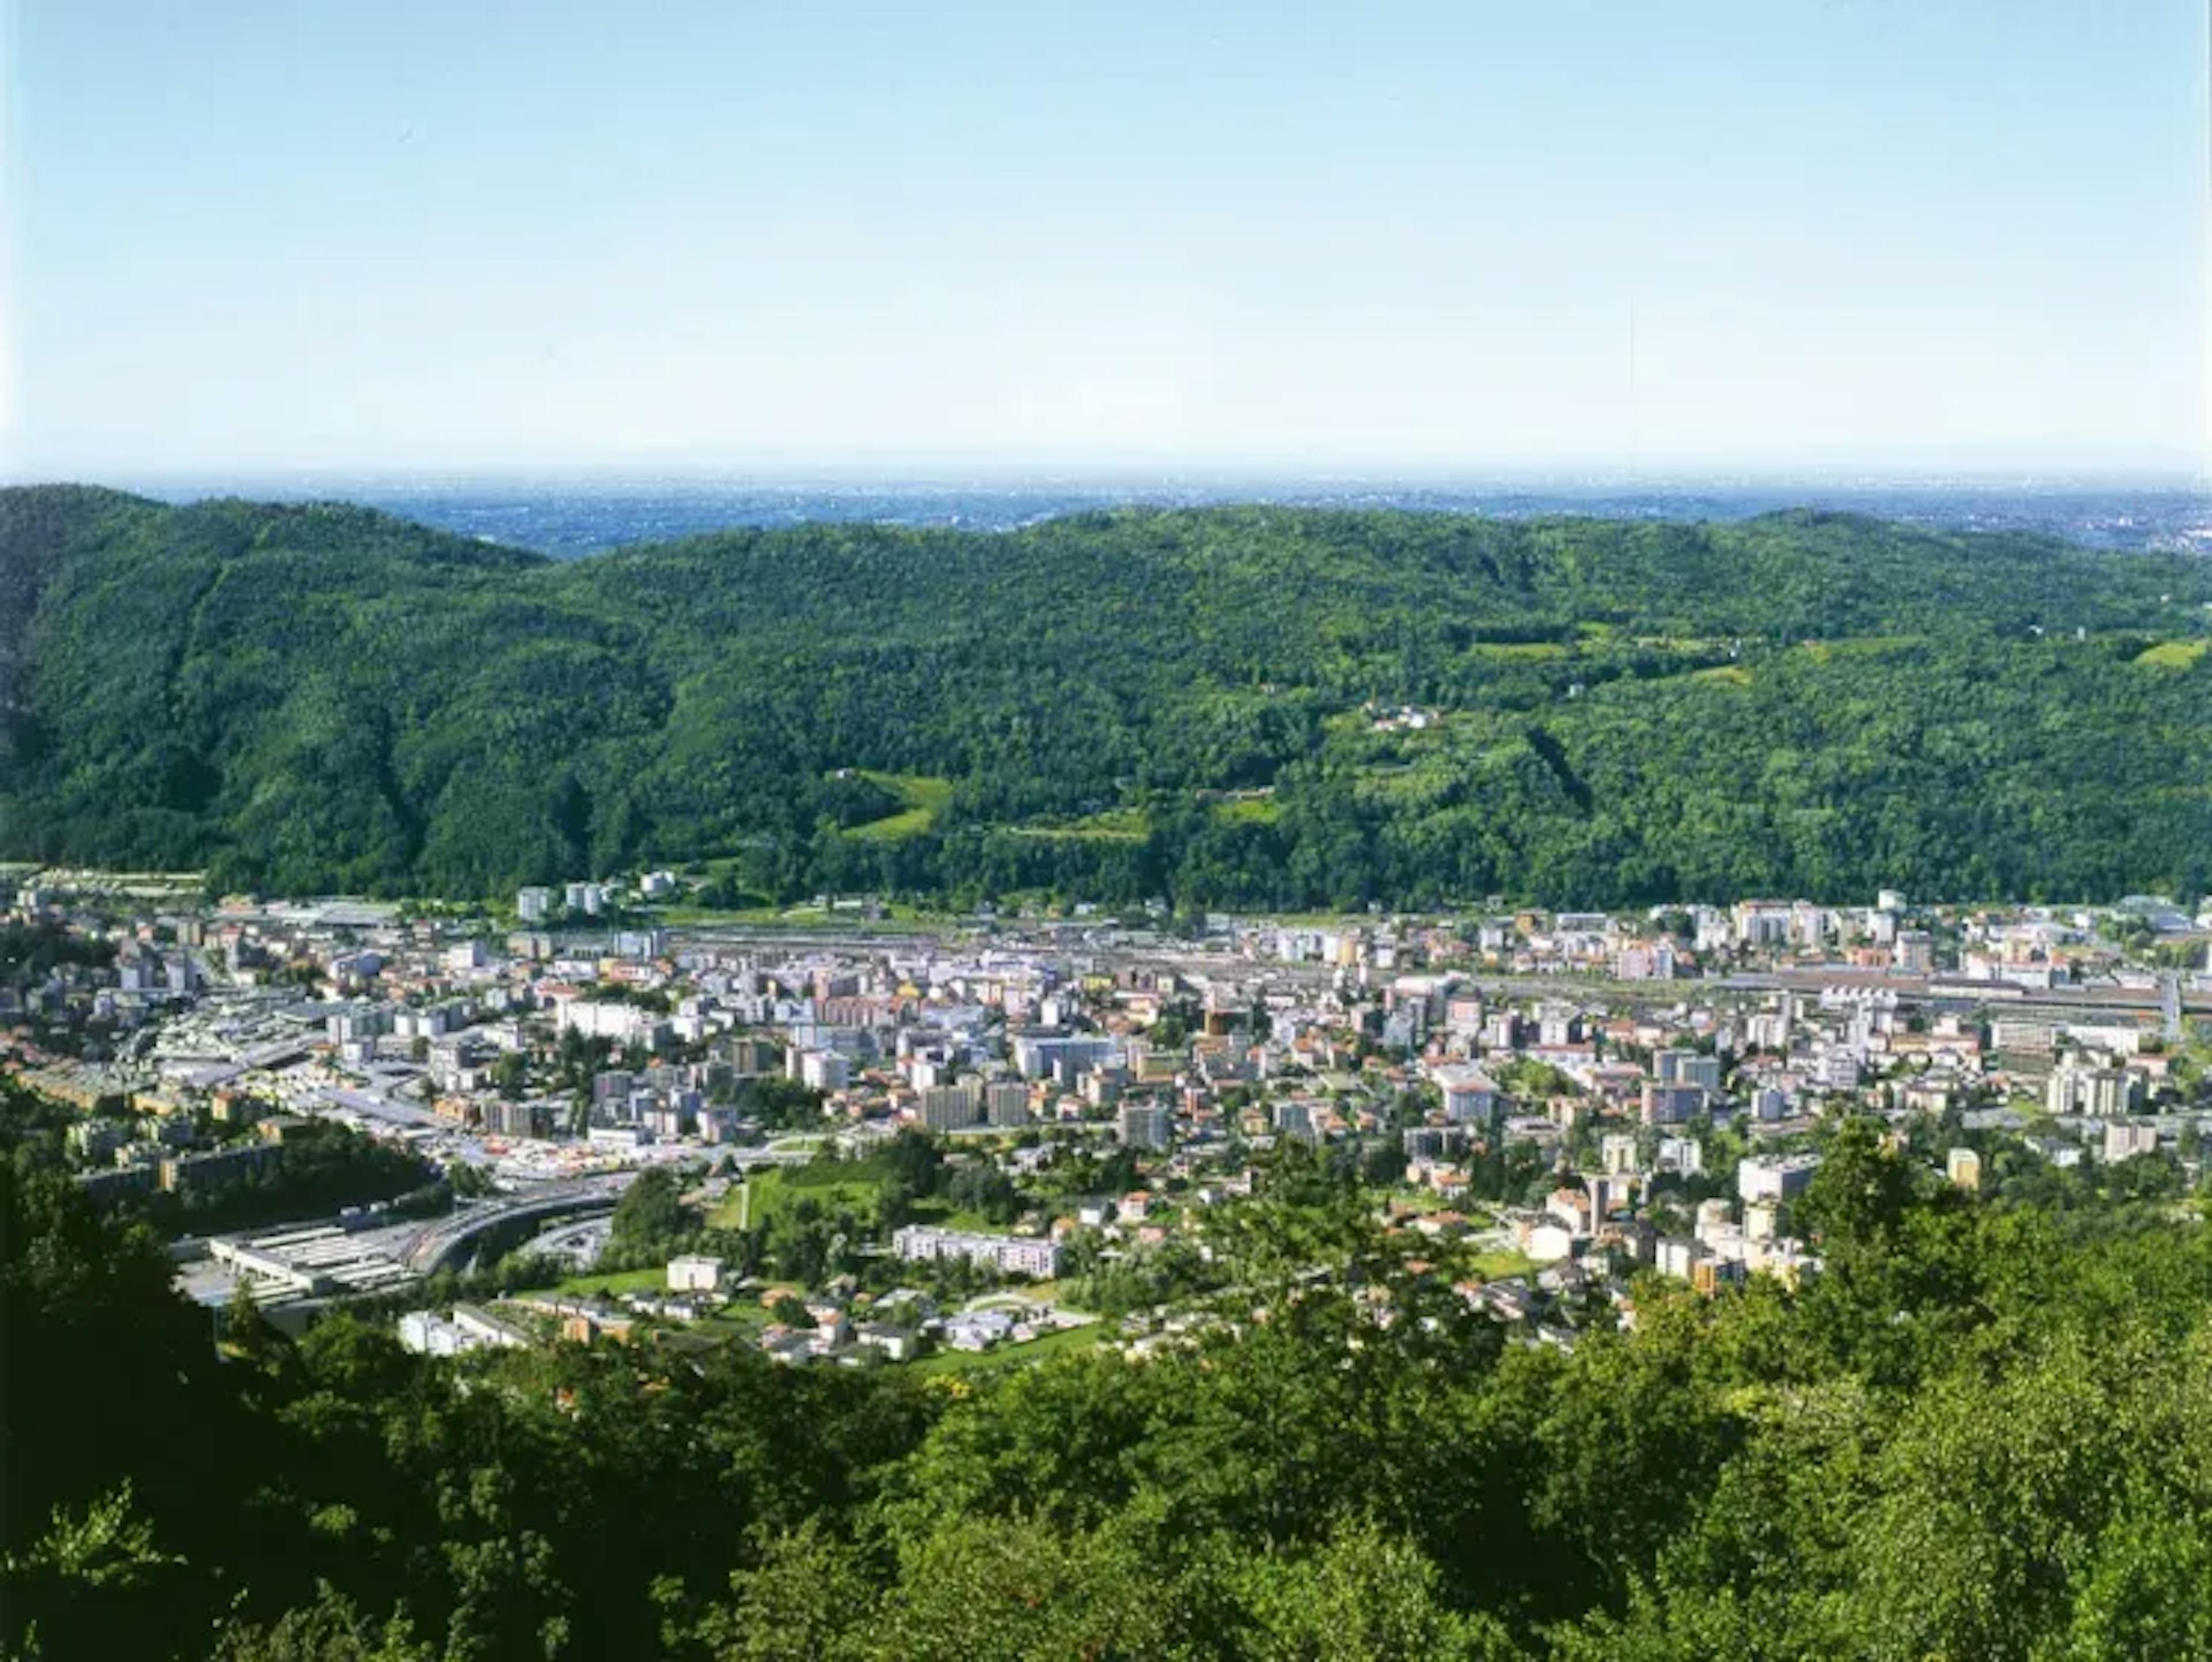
{"type": "Point", "coordinates": [1780, 235]}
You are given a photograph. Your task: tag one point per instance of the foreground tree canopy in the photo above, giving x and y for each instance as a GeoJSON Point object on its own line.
{"type": "Point", "coordinates": [1986, 1434]}
{"type": "Point", "coordinates": [1205, 705]}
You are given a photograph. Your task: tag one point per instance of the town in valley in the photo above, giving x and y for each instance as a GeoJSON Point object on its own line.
{"type": "Point", "coordinates": [847, 1135]}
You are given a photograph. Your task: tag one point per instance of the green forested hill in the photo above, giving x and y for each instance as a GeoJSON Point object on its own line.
{"type": "Point", "coordinates": [1112, 706]}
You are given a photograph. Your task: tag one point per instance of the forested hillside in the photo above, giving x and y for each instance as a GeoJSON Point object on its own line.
{"type": "Point", "coordinates": [1199, 704]}
{"type": "Point", "coordinates": [1984, 1435]}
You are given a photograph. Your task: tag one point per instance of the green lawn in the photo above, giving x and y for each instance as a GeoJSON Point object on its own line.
{"type": "Point", "coordinates": [1030, 1294]}
{"type": "Point", "coordinates": [851, 1184]}
{"type": "Point", "coordinates": [731, 1213]}
{"type": "Point", "coordinates": [941, 1215]}
{"type": "Point", "coordinates": [742, 1322]}
{"type": "Point", "coordinates": [1428, 1200]}
{"type": "Point", "coordinates": [619, 1281]}
{"type": "Point", "coordinates": [1497, 1267]}
{"type": "Point", "coordinates": [1052, 1345]}
{"type": "Point", "coordinates": [707, 914]}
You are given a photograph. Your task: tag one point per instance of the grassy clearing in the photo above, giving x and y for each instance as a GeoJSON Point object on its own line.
{"type": "Point", "coordinates": [654, 1280]}
{"type": "Point", "coordinates": [2174, 654]}
{"type": "Point", "coordinates": [707, 914]}
{"type": "Point", "coordinates": [1731, 675]}
{"type": "Point", "coordinates": [1878, 645]}
{"type": "Point", "coordinates": [944, 1215]}
{"type": "Point", "coordinates": [1530, 650]}
{"type": "Point", "coordinates": [1681, 643]}
{"type": "Point", "coordinates": [1863, 645]}
{"type": "Point", "coordinates": [1248, 810]}
{"type": "Point", "coordinates": [925, 797]}
{"type": "Point", "coordinates": [1428, 1200]}
{"type": "Point", "coordinates": [1113, 825]}
{"type": "Point", "coordinates": [1497, 1265]}
{"type": "Point", "coordinates": [741, 1321]}
{"type": "Point", "coordinates": [851, 1184]}
{"type": "Point", "coordinates": [1422, 780]}
{"type": "Point", "coordinates": [731, 1213]}
{"type": "Point", "coordinates": [1028, 1295]}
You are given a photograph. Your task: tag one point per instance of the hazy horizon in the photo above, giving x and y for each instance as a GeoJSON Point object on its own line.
{"type": "Point", "coordinates": [1015, 474]}
{"type": "Point", "coordinates": [573, 514]}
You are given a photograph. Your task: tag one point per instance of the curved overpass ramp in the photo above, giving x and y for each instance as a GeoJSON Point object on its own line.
{"type": "Point", "coordinates": [449, 1242]}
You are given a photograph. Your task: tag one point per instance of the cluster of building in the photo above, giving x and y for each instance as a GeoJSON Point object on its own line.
{"type": "Point", "coordinates": [1606, 1055]}
{"type": "Point", "coordinates": [836, 1325]}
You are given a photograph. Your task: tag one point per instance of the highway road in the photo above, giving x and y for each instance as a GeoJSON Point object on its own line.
{"type": "Point", "coordinates": [442, 1243]}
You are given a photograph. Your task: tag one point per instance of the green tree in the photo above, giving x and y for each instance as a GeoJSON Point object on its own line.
{"type": "Point", "coordinates": [650, 1223]}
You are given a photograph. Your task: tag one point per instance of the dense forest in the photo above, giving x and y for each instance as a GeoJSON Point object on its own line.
{"type": "Point", "coordinates": [1254, 706]}
{"type": "Point", "coordinates": [1984, 1434]}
